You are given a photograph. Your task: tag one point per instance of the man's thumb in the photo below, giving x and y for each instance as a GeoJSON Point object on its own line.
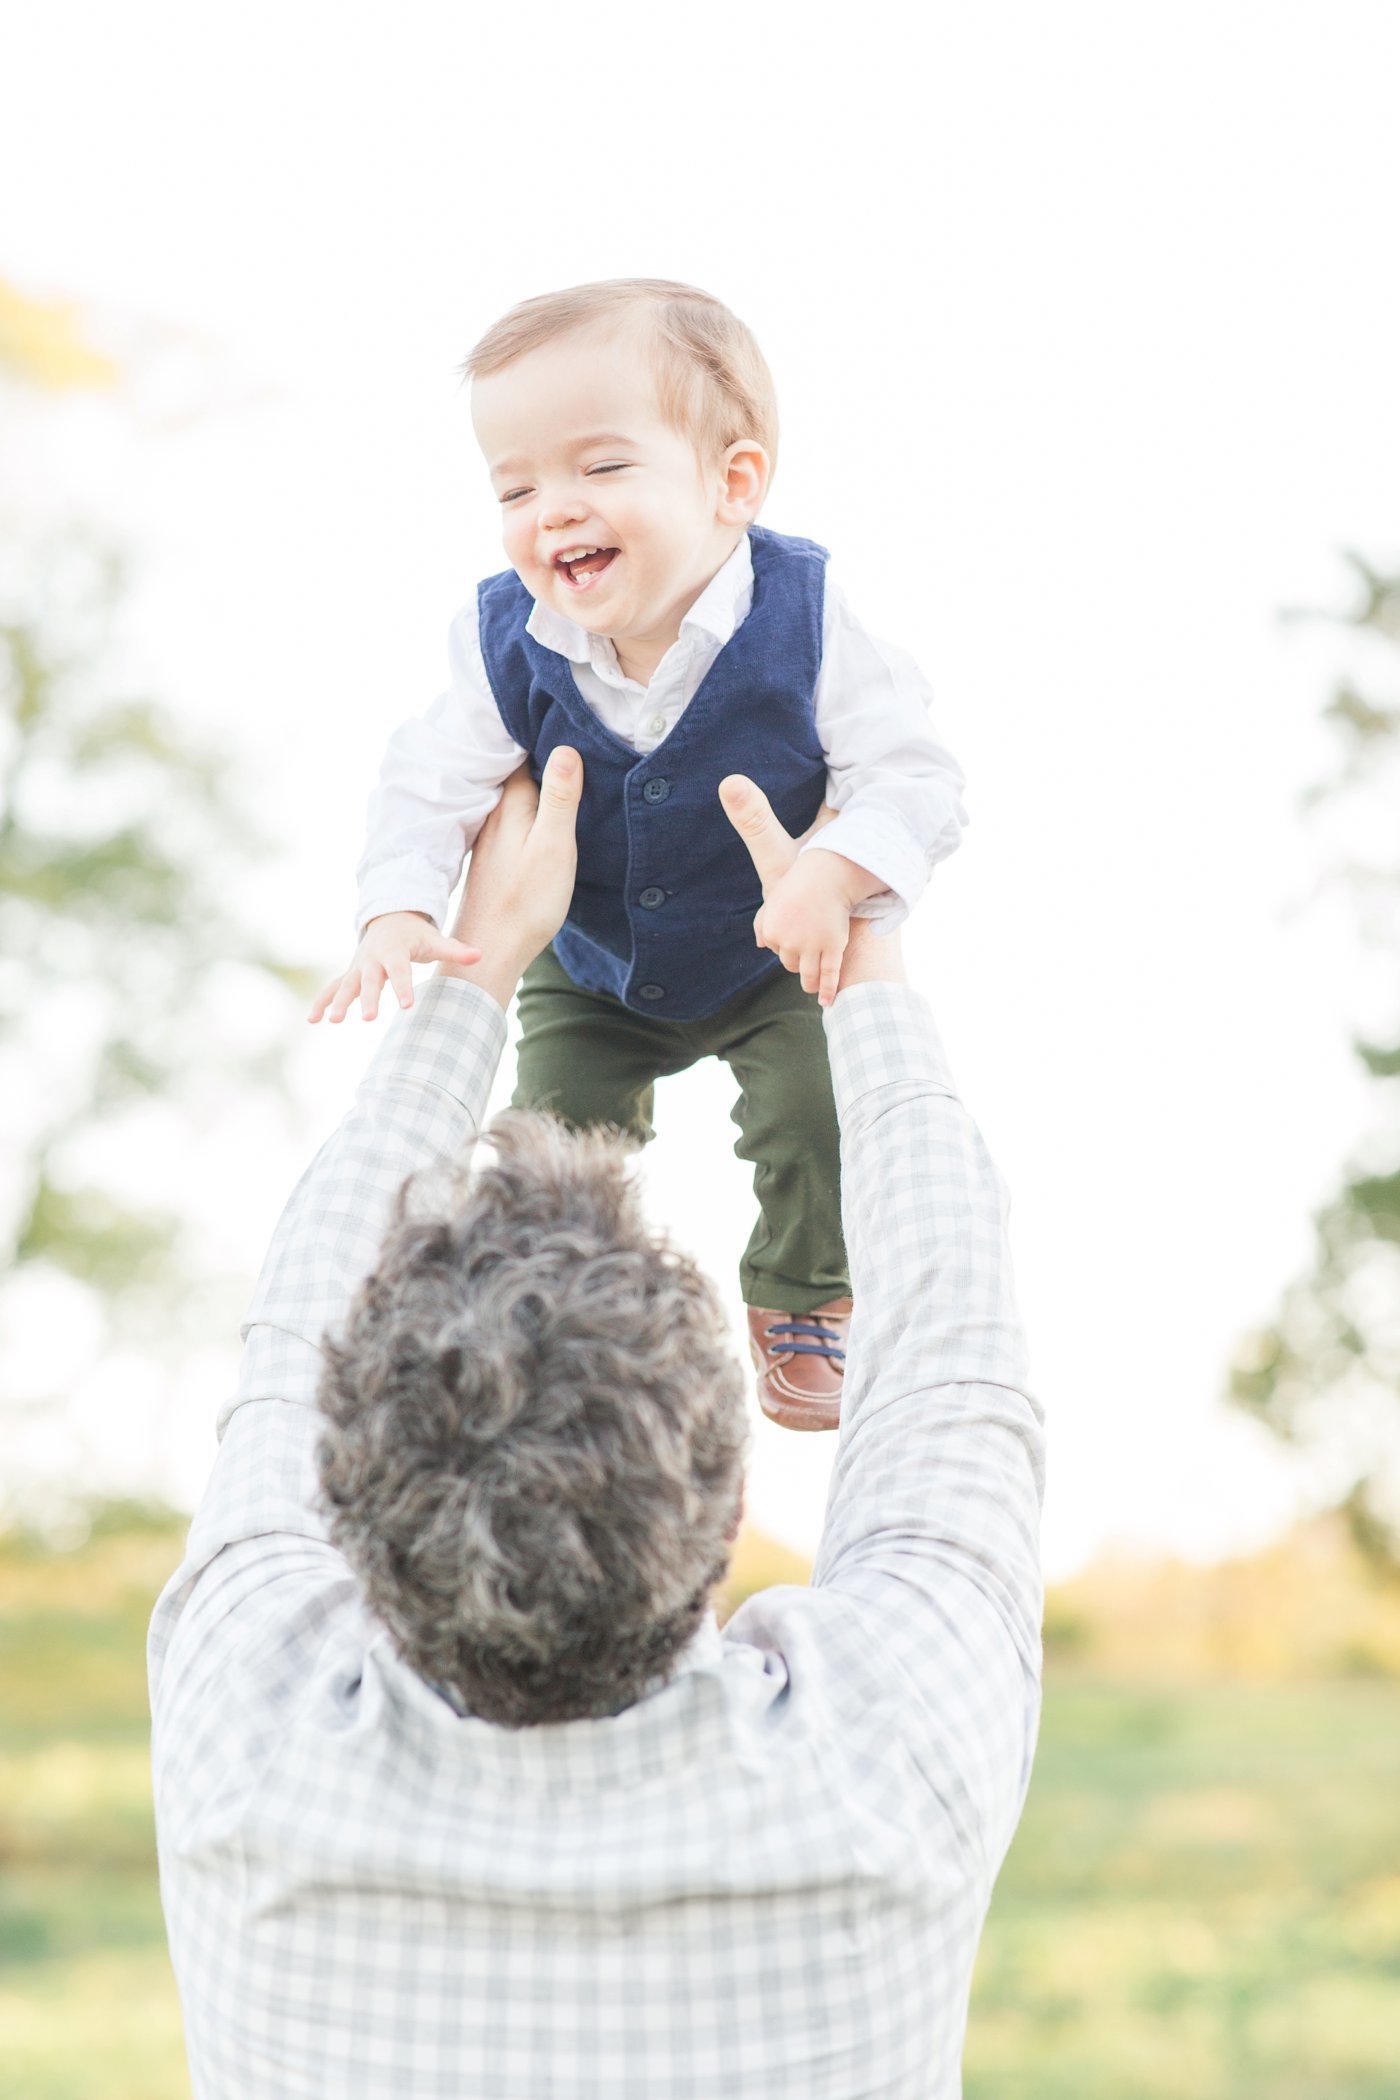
{"type": "Point", "coordinates": [561, 783]}
{"type": "Point", "coordinates": [750, 812]}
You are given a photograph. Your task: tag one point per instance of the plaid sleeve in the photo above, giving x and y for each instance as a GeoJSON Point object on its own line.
{"type": "Point", "coordinates": [416, 1108]}
{"type": "Point", "coordinates": [932, 1526]}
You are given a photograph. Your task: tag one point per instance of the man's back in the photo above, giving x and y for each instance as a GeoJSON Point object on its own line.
{"type": "Point", "coordinates": [768, 1876]}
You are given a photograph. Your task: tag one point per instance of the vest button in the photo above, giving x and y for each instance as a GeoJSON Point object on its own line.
{"type": "Point", "coordinates": [656, 791]}
{"type": "Point", "coordinates": [650, 898]}
{"type": "Point", "coordinates": [651, 991]}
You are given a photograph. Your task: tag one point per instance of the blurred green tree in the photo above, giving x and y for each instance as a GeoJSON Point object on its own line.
{"type": "Point", "coordinates": [1325, 1375]}
{"type": "Point", "coordinates": [128, 987]}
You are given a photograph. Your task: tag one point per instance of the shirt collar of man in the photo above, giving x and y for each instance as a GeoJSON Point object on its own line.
{"type": "Point", "coordinates": [703, 1651]}
{"type": "Point", "coordinates": [719, 609]}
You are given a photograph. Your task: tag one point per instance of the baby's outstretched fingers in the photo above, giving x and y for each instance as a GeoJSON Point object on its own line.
{"type": "Point", "coordinates": [339, 992]}
{"type": "Point", "coordinates": [400, 972]}
{"type": "Point", "coordinates": [349, 985]}
{"type": "Point", "coordinates": [323, 998]}
{"type": "Point", "coordinates": [371, 985]}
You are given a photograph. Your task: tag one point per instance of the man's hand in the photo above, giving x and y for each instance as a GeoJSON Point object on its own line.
{"type": "Point", "coordinates": [520, 879]}
{"type": "Point", "coordinates": [388, 948]}
{"type": "Point", "coordinates": [868, 958]}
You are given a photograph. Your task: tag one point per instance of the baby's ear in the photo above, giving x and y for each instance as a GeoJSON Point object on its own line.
{"type": "Point", "coordinates": [745, 472]}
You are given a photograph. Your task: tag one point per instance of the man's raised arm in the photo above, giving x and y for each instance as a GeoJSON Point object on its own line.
{"type": "Point", "coordinates": [931, 1540]}
{"type": "Point", "coordinates": [418, 1105]}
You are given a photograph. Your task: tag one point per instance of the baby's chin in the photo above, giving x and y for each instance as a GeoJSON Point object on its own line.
{"type": "Point", "coordinates": [600, 614]}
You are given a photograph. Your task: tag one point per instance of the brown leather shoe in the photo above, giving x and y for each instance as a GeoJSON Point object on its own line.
{"type": "Point", "coordinates": [801, 1360]}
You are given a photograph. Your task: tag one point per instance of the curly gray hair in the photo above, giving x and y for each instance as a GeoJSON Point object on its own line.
{"type": "Point", "coordinates": [535, 1433]}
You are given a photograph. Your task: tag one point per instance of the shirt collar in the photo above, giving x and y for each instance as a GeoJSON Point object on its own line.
{"type": "Point", "coordinates": [703, 1651]}
{"type": "Point", "coordinates": [721, 607]}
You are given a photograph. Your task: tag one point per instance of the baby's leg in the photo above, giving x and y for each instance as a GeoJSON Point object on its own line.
{"type": "Point", "coordinates": [775, 1045]}
{"type": "Point", "coordinates": [587, 1057]}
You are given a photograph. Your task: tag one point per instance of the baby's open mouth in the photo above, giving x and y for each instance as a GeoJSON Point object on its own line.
{"type": "Point", "coordinates": [590, 564]}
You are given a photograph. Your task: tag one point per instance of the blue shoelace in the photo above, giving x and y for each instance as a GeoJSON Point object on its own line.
{"type": "Point", "coordinates": [826, 1342]}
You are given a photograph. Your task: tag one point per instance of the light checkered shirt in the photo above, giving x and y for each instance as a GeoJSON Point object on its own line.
{"type": "Point", "coordinates": [765, 1879]}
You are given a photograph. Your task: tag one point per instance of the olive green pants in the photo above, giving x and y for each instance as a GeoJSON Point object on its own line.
{"type": "Point", "coordinates": [592, 1061]}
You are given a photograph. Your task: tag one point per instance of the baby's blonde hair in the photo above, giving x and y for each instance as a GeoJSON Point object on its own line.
{"type": "Point", "coordinates": [712, 383]}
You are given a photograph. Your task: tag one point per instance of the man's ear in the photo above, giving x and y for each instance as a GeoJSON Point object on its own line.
{"type": "Point", "coordinates": [744, 474]}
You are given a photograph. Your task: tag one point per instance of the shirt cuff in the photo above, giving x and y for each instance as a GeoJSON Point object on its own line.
{"type": "Point", "coordinates": [451, 1039]}
{"type": "Point", "coordinates": [879, 841]}
{"type": "Point", "coordinates": [406, 884]}
{"type": "Point", "coordinates": [380, 907]}
{"type": "Point", "coordinates": [883, 1035]}
{"type": "Point", "coordinates": [885, 912]}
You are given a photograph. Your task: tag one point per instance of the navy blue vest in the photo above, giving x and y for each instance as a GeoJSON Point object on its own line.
{"type": "Point", "coordinates": [663, 907]}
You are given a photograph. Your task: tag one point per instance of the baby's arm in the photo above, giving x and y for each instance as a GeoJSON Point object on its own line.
{"type": "Point", "coordinates": [897, 795]}
{"type": "Point", "coordinates": [440, 779]}
{"type": "Point", "coordinates": [896, 788]}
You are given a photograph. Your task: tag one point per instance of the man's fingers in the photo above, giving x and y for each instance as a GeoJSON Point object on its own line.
{"type": "Point", "coordinates": [771, 849]}
{"type": "Point", "coordinates": [518, 797]}
{"type": "Point", "coordinates": [401, 978]}
{"type": "Point", "coordinates": [440, 947]}
{"type": "Point", "coordinates": [830, 979]}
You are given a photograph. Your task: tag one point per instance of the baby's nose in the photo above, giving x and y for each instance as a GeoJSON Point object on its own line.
{"type": "Point", "coordinates": [563, 510]}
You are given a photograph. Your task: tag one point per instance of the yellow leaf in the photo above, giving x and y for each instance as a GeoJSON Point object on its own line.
{"type": "Point", "coordinates": [42, 342]}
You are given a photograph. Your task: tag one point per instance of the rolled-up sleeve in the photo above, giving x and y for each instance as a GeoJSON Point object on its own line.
{"type": "Point", "coordinates": [896, 787]}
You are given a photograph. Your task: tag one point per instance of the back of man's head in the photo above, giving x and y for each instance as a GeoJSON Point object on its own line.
{"type": "Point", "coordinates": [536, 1434]}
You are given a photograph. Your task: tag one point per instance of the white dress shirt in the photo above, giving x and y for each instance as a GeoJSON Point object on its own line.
{"type": "Point", "coordinates": [898, 790]}
{"type": "Point", "coordinates": [766, 1879]}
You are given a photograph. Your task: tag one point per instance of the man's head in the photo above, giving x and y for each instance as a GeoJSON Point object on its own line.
{"type": "Point", "coordinates": [634, 414]}
{"type": "Point", "coordinates": [536, 1433]}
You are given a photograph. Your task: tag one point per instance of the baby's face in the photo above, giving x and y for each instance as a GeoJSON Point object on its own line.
{"type": "Point", "coordinates": [579, 457]}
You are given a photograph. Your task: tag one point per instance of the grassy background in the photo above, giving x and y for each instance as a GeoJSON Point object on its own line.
{"type": "Point", "coordinates": [1203, 1898]}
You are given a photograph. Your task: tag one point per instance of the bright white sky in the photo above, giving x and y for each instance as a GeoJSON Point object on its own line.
{"type": "Point", "coordinates": [1085, 332]}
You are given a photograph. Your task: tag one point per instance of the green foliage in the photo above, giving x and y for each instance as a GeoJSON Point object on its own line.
{"type": "Point", "coordinates": [118, 833]}
{"type": "Point", "coordinates": [120, 959]}
{"type": "Point", "coordinates": [1201, 1900]}
{"type": "Point", "coordinates": [130, 1014]}
{"type": "Point", "coordinates": [87, 2001]}
{"type": "Point", "coordinates": [1325, 1373]}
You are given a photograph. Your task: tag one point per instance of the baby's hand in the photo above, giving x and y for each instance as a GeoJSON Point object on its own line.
{"type": "Point", "coordinates": [806, 921]}
{"type": "Point", "coordinates": [388, 946]}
